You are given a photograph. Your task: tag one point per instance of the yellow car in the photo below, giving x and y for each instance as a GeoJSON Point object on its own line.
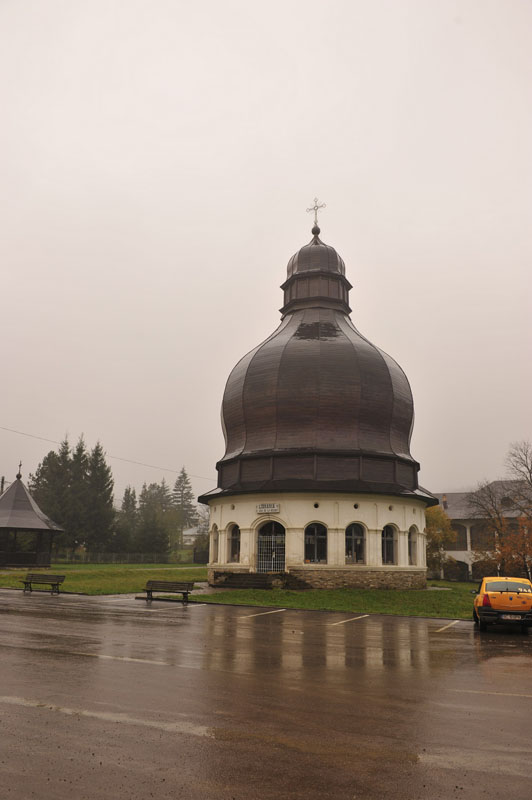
{"type": "Point", "coordinates": [507, 601]}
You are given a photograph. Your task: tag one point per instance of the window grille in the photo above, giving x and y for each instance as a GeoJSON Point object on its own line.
{"type": "Point", "coordinates": [271, 548]}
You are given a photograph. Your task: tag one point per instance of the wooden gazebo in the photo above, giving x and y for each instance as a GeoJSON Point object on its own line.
{"type": "Point", "coordinates": [26, 534]}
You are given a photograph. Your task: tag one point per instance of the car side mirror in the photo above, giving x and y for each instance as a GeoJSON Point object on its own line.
{"type": "Point", "coordinates": [474, 591]}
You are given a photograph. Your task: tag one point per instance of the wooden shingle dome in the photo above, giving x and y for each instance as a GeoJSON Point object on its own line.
{"type": "Point", "coordinates": [316, 406]}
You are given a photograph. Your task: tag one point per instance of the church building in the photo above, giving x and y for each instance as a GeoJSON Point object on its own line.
{"type": "Point", "coordinates": [317, 486]}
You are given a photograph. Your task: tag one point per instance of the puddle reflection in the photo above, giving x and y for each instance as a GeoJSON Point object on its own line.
{"type": "Point", "coordinates": [279, 643]}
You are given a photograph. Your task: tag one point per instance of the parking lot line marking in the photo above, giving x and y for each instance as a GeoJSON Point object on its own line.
{"type": "Point", "coordinates": [450, 625]}
{"type": "Point", "coordinates": [352, 619]}
{"type": "Point", "coordinates": [176, 726]}
{"type": "Point", "coordinates": [497, 694]}
{"type": "Point", "coordinates": [262, 613]}
{"type": "Point", "coordinates": [121, 658]}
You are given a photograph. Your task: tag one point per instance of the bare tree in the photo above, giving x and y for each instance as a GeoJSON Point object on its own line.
{"type": "Point", "coordinates": [519, 465]}
{"type": "Point", "coordinates": [486, 504]}
{"type": "Point", "coordinates": [504, 508]}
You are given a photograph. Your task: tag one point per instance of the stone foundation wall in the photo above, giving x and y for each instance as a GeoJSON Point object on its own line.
{"type": "Point", "coordinates": [216, 577]}
{"type": "Point", "coordinates": [337, 578]}
{"type": "Point", "coordinates": [361, 579]}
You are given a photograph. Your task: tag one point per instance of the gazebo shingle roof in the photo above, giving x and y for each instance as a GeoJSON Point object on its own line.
{"type": "Point", "coordinates": [18, 510]}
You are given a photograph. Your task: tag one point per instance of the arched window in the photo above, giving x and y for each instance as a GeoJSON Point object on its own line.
{"type": "Point", "coordinates": [388, 545]}
{"type": "Point", "coordinates": [412, 546]}
{"type": "Point", "coordinates": [315, 544]}
{"type": "Point", "coordinates": [234, 545]}
{"type": "Point", "coordinates": [354, 544]}
{"type": "Point", "coordinates": [214, 545]}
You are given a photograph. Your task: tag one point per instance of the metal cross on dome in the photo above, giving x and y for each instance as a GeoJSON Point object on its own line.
{"type": "Point", "coordinates": [316, 207]}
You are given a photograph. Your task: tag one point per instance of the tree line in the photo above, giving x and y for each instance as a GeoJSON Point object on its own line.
{"type": "Point", "coordinates": [74, 486]}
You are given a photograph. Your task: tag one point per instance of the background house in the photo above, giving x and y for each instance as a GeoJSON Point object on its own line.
{"type": "Point", "coordinates": [473, 532]}
{"type": "Point", "coordinates": [190, 535]}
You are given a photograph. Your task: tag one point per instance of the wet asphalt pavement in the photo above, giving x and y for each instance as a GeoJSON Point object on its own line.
{"type": "Point", "coordinates": [113, 698]}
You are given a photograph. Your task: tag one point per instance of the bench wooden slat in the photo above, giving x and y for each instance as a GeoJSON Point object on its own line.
{"type": "Point", "coordinates": [177, 587]}
{"type": "Point", "coordinates": [47, 579]}
{"type": "Point", "coordinates": [170, 585]}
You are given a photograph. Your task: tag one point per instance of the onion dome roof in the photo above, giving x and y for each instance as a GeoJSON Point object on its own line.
{"type": "Point", "coordinates": [18, 510]}
{"type": "Point", "coordinates": [317, 406]}
{"type": "Point", "coordinates": [315, 256]}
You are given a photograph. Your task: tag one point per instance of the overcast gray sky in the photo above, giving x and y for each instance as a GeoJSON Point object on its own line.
{"type": "Point", "coordinates": [156, 161]}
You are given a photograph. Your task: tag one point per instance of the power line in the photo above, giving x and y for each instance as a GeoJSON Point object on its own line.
{"type": "Point", "coordinates": [115, 458]}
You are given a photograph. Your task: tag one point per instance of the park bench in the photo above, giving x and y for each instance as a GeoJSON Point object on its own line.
{"type": "Point", "coordinates": [37, 577]}
{"type": "Point", "coordinates": [176, 587]}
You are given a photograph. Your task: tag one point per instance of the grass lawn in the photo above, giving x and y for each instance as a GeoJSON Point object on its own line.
{"type": "Point", "coordinates": [456, 603]}
{"type": "Point", "coordinates": [109, 578]}
{"type": "Point", "coordinates": [100, 579]}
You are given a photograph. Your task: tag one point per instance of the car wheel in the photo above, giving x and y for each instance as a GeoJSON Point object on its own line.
{"type": "Point", "coordinates": [475, 618]}
{"type": "Point", "coordinates": [482, 626]}
{"type": "Point", "coordinates": [524, 630]}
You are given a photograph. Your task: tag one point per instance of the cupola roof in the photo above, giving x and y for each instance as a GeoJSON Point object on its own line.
{"type": "Point", "coordinates": [316, 278]}
{"type": "Point", "coordinates": [317, 406]}
{"type": "Point", "coordinates": [316, 256]}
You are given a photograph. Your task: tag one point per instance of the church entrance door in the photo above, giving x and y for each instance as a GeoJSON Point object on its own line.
{"type": "Point", "coordinates": [270, 551]}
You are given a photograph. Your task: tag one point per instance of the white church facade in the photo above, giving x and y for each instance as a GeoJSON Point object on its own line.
{"type": "Point", "coordinates": [327, 540]}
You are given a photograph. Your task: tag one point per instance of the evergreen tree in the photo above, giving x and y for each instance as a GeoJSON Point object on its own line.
{"type": "Point", "coordinates": [51, 481]}
{"type": "Point", "coordinates": [100, 517]}
{"type": "Point", "coordinates": [171, 517]}
{"type": "Point", "coordinates": [126, 523]}
{"type": "Point", "coordinates": [184, 501]}
{"type": "Point", "coordinates": [78, 494]}
{"type": "Point", "coordinates": [50, 486]}
{"type": "Point", "coordinates": [152, 532]}
{"type": "Point", "coordinates": [164, 496]}
{"type": "Point", "coordinates": [129, 504]}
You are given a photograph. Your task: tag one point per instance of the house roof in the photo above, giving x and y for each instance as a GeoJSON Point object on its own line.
{"type": "Point", "coordinates": [18, 510]}
{"type": "Point", "coordinates": [456, 504]}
